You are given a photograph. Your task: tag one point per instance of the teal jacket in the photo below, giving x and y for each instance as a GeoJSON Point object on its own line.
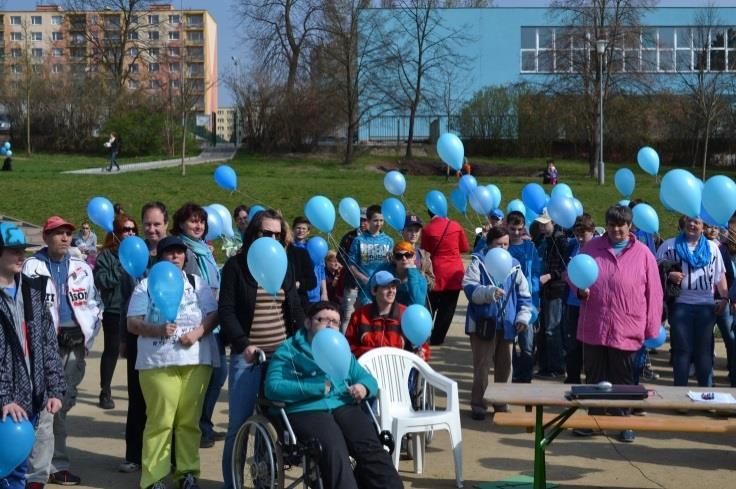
{"type": "Point", "coordinates": [294, 378]}
{"type": "Point", "coordinates": [412, 290]}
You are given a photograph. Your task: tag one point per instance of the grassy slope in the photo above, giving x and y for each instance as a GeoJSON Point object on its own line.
{"type": "Point", "coordinates": [37, 189]}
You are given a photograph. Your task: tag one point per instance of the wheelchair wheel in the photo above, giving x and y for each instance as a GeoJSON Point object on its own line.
{"type": "Point", "coordinates": [257, 461]}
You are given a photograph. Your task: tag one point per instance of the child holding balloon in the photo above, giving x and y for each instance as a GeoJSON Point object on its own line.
{"type": "Point", "coordinates": [499, 308]}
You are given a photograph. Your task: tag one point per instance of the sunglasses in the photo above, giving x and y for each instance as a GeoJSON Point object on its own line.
{"type": "Point", "coordinates": [270, 234]}
{"type": "Point", "coordinates": [128, 230]}
{"type": "Point", "coordinates": [401, 256]}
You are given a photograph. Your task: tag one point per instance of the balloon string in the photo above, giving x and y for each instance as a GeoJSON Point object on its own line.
{"type": "Point", "coordinates": [406, 204]}
{"type": "Point", "coordinates": [244, 194]}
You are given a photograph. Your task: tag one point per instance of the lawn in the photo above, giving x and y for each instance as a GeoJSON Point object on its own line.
{"type": "Point", "coordinates": [37, 188]}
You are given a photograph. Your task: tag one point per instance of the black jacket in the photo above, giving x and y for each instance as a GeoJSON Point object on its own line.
{"type": "Point", "coordinates": [303, 272]}
{"type": "Point", "coordinates": [237, 303]}
{"type": "Point", "coordinates": [554, 253]}
{"type": "Point", "coordinates": [30, 389]}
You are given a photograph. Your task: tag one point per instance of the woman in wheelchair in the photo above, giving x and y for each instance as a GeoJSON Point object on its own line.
{"type": "Point", "coordinates": [330, 413]}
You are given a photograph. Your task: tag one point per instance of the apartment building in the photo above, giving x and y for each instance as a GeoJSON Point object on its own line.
{"type": "Point", "coordinates": [162, 50]}
{"type": "Point", "coordinates": [226, 124]}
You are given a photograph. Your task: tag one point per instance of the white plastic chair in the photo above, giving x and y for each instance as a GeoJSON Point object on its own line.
{"type": "Point", "coordinates": [391, 368]}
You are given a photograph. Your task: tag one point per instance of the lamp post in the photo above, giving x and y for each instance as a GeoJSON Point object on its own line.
{"type": "Point", "coordinates": [600, 47]}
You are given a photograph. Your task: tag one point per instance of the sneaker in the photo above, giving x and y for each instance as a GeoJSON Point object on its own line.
{"type": "Point", "coordinates": [128, 467]}
{"type": "Point", "coordinates": [627, 436]}
{"type": "Point", "coordinates": [586, 432]}
{"type": "Point", "coordinates": [206, 442]}
{"type": "Point", "coordinates": [64, 478]}
{"type": "Point", "coordinates": [219, 435]}
{"type": "Point", "coordinates": [638, 412]}
{"type": "Point", "coordinates": [106, 401]}
{"type": "Point", "coordinates": [158, 485]}
{"type": "Point", "coordinates": [188, 482]}
{"type": "Point", "coordinates": [478, 415]}
{"type": "Point", "coordinates": [34, 485]}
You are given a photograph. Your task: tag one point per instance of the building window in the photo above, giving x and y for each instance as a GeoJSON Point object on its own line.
{"type": "Point", "coordinates": [153, 19]}
{"type": "Point", "coordinates": [16, 69]}
{"type": "Point", "coordinates": [528, 49]}
{"type": "Point", "coordinates": [195, 69]}
{"type": "Point", "coordinates": [36, 36]}
{"type": "Point", "coordinates": [195, 20]}
{"type": "Point", "coordinates": [133, 67]}
{"type": "Point", "coordinates": [77, 52]}
{"type": "Point", "coordinates": [57, 68]}
{"type": "Point", "coordinates": [153, 67]}
{"type": "Point", "coordinates": [57, 36]}
{"type": "Point", "coordinates": [57, 52]}
{"type": "Point", "coordinates": [36, 20]}
{"type": "Point", "coordinates": [174, 19]}
{"type": "Point", "coordinates": [153, 36]}
{"type": "Point", "coordinates": [175, 84]}
{"type": "Point", "coordinates": [154, 84]}
{"type": "Point", "coordinates": [16, 36]}
{"type": "Point", "coordinates": [154, 52]}
{"type": "Point", "coordinates": [174, 67]}
{"type": "Point", "coordinates": [174, 35]}
{"type": "Point", "coordinates": [133, 52]}
{"type": "Point", "coordinates": [195, 36]}
{"type": "Point", "coordinates": [133, 35]}
{"type": "Point", "coordinates": [195, 53]}
{"type": "Point", "coordinates": [15, 20]}
{"type": "Point", "coordinates": [57, 20]}
{"type": "Point", "coordinates": [134, 84]}
{"type": "Point", "coordinates": [37, 53]}
{"type": "Point", "coordinates": [174, 52]}
{"type": "Point", "coordinates": [16, 53]}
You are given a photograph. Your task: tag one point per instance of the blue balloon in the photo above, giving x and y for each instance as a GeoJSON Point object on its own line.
{"type": "Point", "coordinates": [563, 190]}
{"type": "Point", "coordinates": [578, 207]}
{"type": "Point", "coordinates": [450, 150]}
{"type": "Point", "coordinates": [623, 202]}
{"type": "Point", "coordinates": [682, 191]}
{"type": "Point", "coordinates": [101, 212]}
{"type": "Point", "coordinates": [663, 200]}
{"type": "Point", "coordinates": [226, 219]}
{"type": "Point", "coordinates": [516, 205]}
{"type": "Point", "coordinates": [719, 198]}
{"type": "Point", "coordinates": [321, 213]}
{"type": "Point", "coordinates": [416, 324]}
{"type": "Point", "coordinates": [646, 218]}
{"type": "Point", "coordinates": [436, 202]}
{"type": "Point", "coordinates": [498, 263]}
{"type": "Point", "coordinates": [394, 182]}
{"type": "Point", "coordinates": [648, 160]}
{"type": "Point", "coordinates": [17, 443]}
{"type": "Point", "coordinates": [562, 211]}
{"type": "Point", "coordinates": [710, 221]}
{"type": "Point", "coordinates": [8, 153]}
{"type": "Point", "coordinates": [534, 197]}
{"type": "Point", "coordinates": [625, 182]}
{"type": "Point", "coordinates": [6, 145]}
{"type": "Point", "coordinates": [332, 354]}
{"type": "Point", "coordinates": [495, 194]}
{"type": "Point", "coordinates": [350, 212]}
{"type": "Point", "coordinates": [481, 200]}
{"type": "Point", "coordinates": [3, 151]}
{"type": "Point", "coordinates": [226, 178]}
{"type": "Point", "coordinates": [583, 271]}
{"type": "Point", "coordinates": [214, 224]}
{"type": "Point", "coordinates": [255, 210]}
{"type": "Point", "coordinates": [317, 249]}
{"type": "Point", "coordinates": [266, 261]}
{"type": "Point", "coordinates": [133, 254]}
{"type": "Point", "coordinates": [394, 213]}
{"type": "Point", "coordinates": [658, 340]}
{"type": "Point", "coordinates": [459, 201]}
{"type": "Point", "coordinates": [467, 184]}
{"type": "Point", "coordinates": [166, 289]}
{"type": "Point", "coordinates": [530, 216]}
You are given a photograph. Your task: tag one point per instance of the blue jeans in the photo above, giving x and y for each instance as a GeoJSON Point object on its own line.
{"type": "Point", "coordinates": [243, 386]}
{"type": "Point", "coordinates": [691, 330]}
{"type": "Point", "coordinates": [553, 358]}
{"type": "Point", "coordinates": [213, 392]}
{"type": "Point", "coordinates": [725, 323]}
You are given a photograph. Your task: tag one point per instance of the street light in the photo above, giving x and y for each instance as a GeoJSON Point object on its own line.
{"type": "Point", "coordinates": [600, 47]}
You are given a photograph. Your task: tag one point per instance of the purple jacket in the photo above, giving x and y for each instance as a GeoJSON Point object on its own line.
{"type": "Point", "coordinates": [625, 303]}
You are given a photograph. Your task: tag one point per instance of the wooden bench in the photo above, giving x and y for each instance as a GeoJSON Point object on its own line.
{"type": "Point", "coordinates": [581, 420]}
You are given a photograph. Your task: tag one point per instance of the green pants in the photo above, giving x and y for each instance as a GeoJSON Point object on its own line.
{"type": "Point", "coordinates": [174, 397]}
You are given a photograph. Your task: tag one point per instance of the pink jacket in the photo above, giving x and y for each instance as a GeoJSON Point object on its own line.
{"type": "Point", "coordinates": [625, 303]}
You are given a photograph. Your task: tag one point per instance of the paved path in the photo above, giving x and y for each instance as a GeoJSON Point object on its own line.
{"type": "Point", "coordinates": [221, 152]}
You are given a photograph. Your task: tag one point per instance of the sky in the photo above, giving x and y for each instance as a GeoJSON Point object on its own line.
{"type": "Point", "coordinates": [230, 43]}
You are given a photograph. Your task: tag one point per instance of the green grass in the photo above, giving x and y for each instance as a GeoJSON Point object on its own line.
{"type": "Point", "coordinates": [37, 188]}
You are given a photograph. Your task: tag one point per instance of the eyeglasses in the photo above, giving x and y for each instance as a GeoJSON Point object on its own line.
{"type": "Point", "coordinates": [330, 321]}
{"type": "Point", "coordinates": [270, 234]}
{"type": "Point", "coordinates": [402, 256]}
{"type": "Point", "coordinates": [128, 230]}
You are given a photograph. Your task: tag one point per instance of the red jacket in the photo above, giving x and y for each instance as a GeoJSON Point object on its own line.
{"type": "Point", "coordinates": [368, 330]}
{"type": "Point", "coordinates": [445, 240]}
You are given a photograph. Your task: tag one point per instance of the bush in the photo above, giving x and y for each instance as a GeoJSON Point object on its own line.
{"type": "Point", "coordinates": [140, 131]}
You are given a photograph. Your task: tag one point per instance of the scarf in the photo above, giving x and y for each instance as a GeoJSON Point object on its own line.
{"type": "Point", "coordinates": [698, 258]}
{"type": "Point", "coordinates": [205, 261]}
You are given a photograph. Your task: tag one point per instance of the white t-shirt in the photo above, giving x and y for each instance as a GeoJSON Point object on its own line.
{"type": "Point", "coordinates": [699, 285]}
{"type": "Point", "coordinates": [197, 302]}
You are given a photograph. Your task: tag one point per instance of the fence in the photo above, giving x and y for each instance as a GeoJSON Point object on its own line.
{"type": "Point", "coordinates": [395, 128]}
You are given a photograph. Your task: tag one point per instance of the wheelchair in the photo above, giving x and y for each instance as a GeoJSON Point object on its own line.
{"type": "Point", "coordinates": [266, 447]}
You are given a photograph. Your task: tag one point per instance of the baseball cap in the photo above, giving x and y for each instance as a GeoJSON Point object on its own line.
{"type": "Point", "coordinates": [543, 218]}
{"type": "Point", "coordinates": [497, 213]}
{"type": "Point", "coordinates": [403, 247]}
{"type": "Point", "coordinates": [12, 237]}
{"type": "Point", "coordinates": [383, 278]}
{"type": "Point", "coordinates": [412, 220]}
{"type": "Point", "coordinates": [169, 242]}
{"type": "Point", "coordinates": [364, 213]}
{"type": "Point", "coordinates": [56, 222]}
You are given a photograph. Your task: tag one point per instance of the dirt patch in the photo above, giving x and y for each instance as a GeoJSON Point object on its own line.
{"type": "Point", "coordinates": [435, 167]}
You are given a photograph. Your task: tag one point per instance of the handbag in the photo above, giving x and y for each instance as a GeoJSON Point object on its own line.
{"type": "Point", "coordinates": [70, 338]}
{"type": "Point", "coordinates": [485, 328]}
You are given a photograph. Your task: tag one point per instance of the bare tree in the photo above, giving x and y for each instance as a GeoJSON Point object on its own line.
{"type": "Point", "coordinates": [575, 65]}
{"type": "Point", "coordinates": [707, 83]}
{"type": "Point", "coordinates": [417, 43]}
